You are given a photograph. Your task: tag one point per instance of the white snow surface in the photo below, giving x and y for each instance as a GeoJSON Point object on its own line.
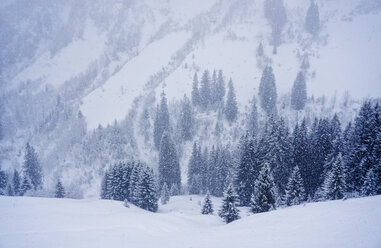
{"type": "Point", "coordinates": [45, 222]}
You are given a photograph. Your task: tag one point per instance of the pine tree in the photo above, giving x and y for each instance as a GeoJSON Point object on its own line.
{"type": "Point", "coordinates": [194, 167]}
{"type": "Point", "coordinates": [16, 182]}
{"type": "Point", "coordinates": [229, 211]}
{"type": "Point", "coordinates": [25, 186]}
{"type": "Point", "coordinates": [313, 19]}
{"type": "Point", "coordinates": [252, 121]}
{"type": "Point", "coordinates": [32, 167]}
{"type": "Point", "coordinates": [10, 190]}
{"type": "Point", "coordinates": [134, 184]}
{"type": "Point", "coordinates": [105, 194]}
{"type": "Point", "coordinates": [267, 91]}
{"type": "Point", "coordinates": [60, 191]}
{"type": "Point", "coordinates": [299, 92]}
{"type": "Point", "coordinates": [231, 109]}
{"type": "Point", "coordinates": [335, 181]}
{"type": "Point", "coordinates": [164, 194]}
{"type": "Point", "coordinates": [186, 120]}
{"type": "Point", "coordinates": [169, 166]}
{"type": "Point", "coordinates": [195, 92]}
{"type": "Point", "coordinates": [264, 196]}
{"type": "Point", "coordinates": [275, 12]}
{"type": "Point", "coordinates": [295, 193]}
{"type": "Point", "coordinates": [161, 123]}
{"type": "Point", "coordinates": [174, 190]}
{"type": "Point", "coordinates": [220, 91]}
{"type": "Point", "coordinates": [247, 170]}
{"type": "Point", "coordinates": [3, 182]}
{"type": "Point", "coordinates": [370, 185]}
{"type": "Point", "coordinates": [205, 94]}
{"type": "Point", "coordinates": [207, 206]}
{"type": "Point", "coordinates": [147, 191]}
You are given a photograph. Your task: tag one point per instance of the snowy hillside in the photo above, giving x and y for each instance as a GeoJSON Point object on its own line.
{"type": "Point", "coordinates": [40, 222]}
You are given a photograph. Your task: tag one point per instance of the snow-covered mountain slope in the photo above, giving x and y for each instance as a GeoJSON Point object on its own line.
{"type": "Point", "coordinates": [41, 222]}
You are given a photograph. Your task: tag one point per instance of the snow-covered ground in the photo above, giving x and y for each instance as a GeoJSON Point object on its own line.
{"type": "Point", "coordinates": [42, 222]}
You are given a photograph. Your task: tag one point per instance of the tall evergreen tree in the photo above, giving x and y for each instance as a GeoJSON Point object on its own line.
{"type": "Point", "coordinates": [169, 167]}
{"type": "Point", "coordinates": [295, 193]}
{"type": "Point", "coordinates": [275, 12]}
{"type": "Point", "coordinates": [10, 190]}
{"type": "Point", "coordinates": [174, 190]}
{"type": "Point", "coordinates": [220, 91]}
{"type": "Point", "coordinates": [247, 170]}
{"type": "Point", "coordinates": [207, 206]}
{"type": "Point", "coordinates": [370, 185]}
{"type": "Point", "coordinates": [16, 182]}
{"type": "Point", "coordinates": [32, 168]}
{"type": "Point", "coordinates": [186, 120]}
{"type": "Point", "coordinates": [25, 186]}
{"type": "Point", "coordinates": [267, 91]}
{"type": "Point", "coordinates": [229, 211]}
{"type": "Point", "coordinates": [205, 94]}
{"type": "Point", "coordinates": [231, 109]}
{"type": "Point", "coordinates": [335, 184]}
{"type": "Point", "coordinates": [313, 19]}
{"type": "Point", "coordinates": [3, 182]}
{"type": "Point", "coordinates": [105, 194]}
{"type": "Point", "coordinates": [299, 92]}
{"type": "Point", "coordinates": [264, 196]}
{"type": "Point", "coordinates": [134, 184]}
{"type": "Point", "coordinates": [194, 168]}
{"type": "Point", "coordinates": [161, 123]}
{"type": "Point", "coordinates": [60, 191]}
{"type": "Point", "coordinates": [147, 191]}
{"type": "Point", "coordinates": [252, 121]}
{"type": "Point", "coordinates": [196, 100]}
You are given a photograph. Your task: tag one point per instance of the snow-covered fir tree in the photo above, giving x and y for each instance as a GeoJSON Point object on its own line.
{"type": "Point", "coordinates": [134, 184]}
{"type": "Point", "coordinates": [220, 90]}
{"type": "Point", "coordinates": [169, 166]}
{"type": "Point", "coordinates": [264, 196]}
{"type": "Point", "coordinates": [32, 167]}
{"type": "Point", "coordinates": [275, 12]}
{"type": "Point", "coordinates": [60, 191]}
{"type": "Point", "coordinates": [312, 23]}
{"type": "Point", "coordinates": [231, 108]}
{"type": "Point", "coordinates": [25, 186]}
{"type": "Point", "coordinates": [10, 190]}
{"type": "Point", "coordinates": [229, 211]}
{"type": "Point", "coordinates": [147, 191]}
{"type": "Point", "coordinates": [186, 120]}
{"type": "Point", "coordinates": [164, 195]}
{"type": "Point", "coordinates": [295, 193]}
{"type": "Point", "coordinates": [161, 123]}
{"type": "Point", "coordinates": [267, 91]}
{"type": "Point", "coordinates": [207, 206]}
{"type": "Point", "coordinates": [299, 92]}
{"type": "Point", "coordinates": [252, 119]}
{"type": "Point", "coordinates": [205, 94]}
{"type": "Point", "coordinates": [194, 167]}
{"type": "Point", "coordinates": [174, 190]}
{"type": "Point", "coordinates": [335, 185]}
{"type": "Point", "coordinates": [196, 101]}
{"type": "Point", "coordinates": [16, 182]}
{"type": "Point", "coordinates": [3, 182]}
{"type": "Point", "coordinates": [370, 184]}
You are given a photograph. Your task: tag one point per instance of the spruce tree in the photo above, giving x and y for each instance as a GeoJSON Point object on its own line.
{"type": "Point", "coordinates": [229, 211]}
{"type": "Point", "coordinates": [299, 92]}
{"type": "Point", "coordinates": [196, 101]}
{"type": "Point", "coordinates": [169, 166]}
{"type": "Point", "coordinates": [207, 206]}
{"type": "Point", "coordinates": [194, 167]}
{"type": "Point", "coordinates": [32, 167]}
{"type": "Point", "coordinates": [147, 191]}
{"type": "Point", "coordinates": [16, 182]}
{"type": "Point", "coordinates": [231, 109]}
{"type": "Point", "coordinates": [264, 196]}
{"type": "Point", "coordinates": [164, 196]}
{"type": "Point", "coordinates": [295, 193]}
{"type": "Point", "coordinates": [10, 190]}
{"type": "Point", "coordinates": [134, 184]}
{"type": "Point", "coordinates": [161, 123]}
{"type": "Point", "coordinates": [174, 190]}
{"type": "Point", "coordinates": [186, 120]}
{"type": "Point", "coordinates": [3, 182]}
{"type": "Point", "coordinates": [205, 94]}
{"type": "Point", "coordinates": [252, 121]}
{"type": "Point", "coordinates": [25, 186]}
{"type": "Point", "coordinates": [220, 91]}
{"type": "Point", "coordinates": [370, 185]}
{"type": "Point", "coordinates": [335, 182]}
{"type": "Point", "coordinates": [267, 91]}
{"type": "Point", "coordinates": [60, 191]}
{"type": "Point", "coordinates": [312, 23]}
{"type": "Point", "coordinates": [105, 194]}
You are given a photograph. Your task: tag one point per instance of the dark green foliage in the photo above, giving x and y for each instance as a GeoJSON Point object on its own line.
{"type": "Point", "coordinates": [60, 191]}
{"type": "Point", "coordinates": [207, 206]}
{"type": "Point", "coordinates": [267, 91]}
{"type": "Point", "coordinates": [299, 92]}
{"type": "Point", "coordinates": [229, 211]}
{"type": "Point", "coordinates": [264, 195]}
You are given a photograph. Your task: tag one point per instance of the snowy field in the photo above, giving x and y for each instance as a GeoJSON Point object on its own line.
{"type": "Point", "coordinates": [42, 222]}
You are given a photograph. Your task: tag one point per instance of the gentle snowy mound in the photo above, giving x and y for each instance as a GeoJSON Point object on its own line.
{"type": "Point", "coordinates": [40, 222]}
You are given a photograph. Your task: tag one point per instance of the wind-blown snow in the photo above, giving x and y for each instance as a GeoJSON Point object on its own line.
{"type": "Point", "coordinates": [40, 222]}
